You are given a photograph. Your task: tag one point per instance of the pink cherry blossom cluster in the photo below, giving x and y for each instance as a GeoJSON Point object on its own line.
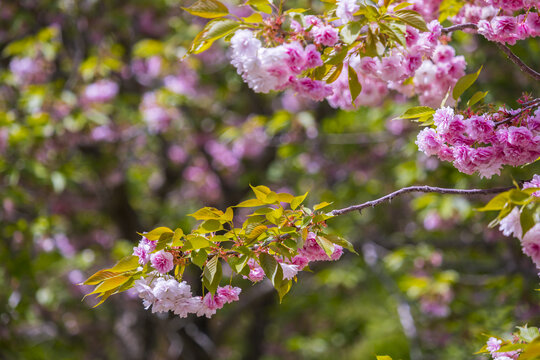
{"type": "Point", "coordinates": [433, 68]}
{"type": "Point", "coordinates": [483, 143]}
{"type": "Point", "coordinates": [164, 294]}
{"type": "Point", "coordinates": [509, 29]}
{"type": "Point", "coordinates": [497, 22]}
{"type": "Point", "coordinates": [494, 345]}
{"type": "Point", "coordinates": [277, 68]}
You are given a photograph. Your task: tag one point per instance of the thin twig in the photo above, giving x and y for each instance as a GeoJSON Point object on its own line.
{"type": "Point", "coordinates": [516, 60]}
{"type": "Point", "coordinates": [532, 105]}
{"type": "Point", "coordinates": [505, 49]}
{"type": "Point", "coordinates": [422, 189]}
{"type": "Point", "coordinates": [450, 29]}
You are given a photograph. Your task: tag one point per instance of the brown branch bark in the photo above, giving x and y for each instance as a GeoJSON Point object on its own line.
{"type": "Point", "coordinates": [505, 49]}
{"type": "Point", "coordinates": [422, 189]}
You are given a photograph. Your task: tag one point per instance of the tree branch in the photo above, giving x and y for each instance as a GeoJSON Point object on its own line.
{"type": "Point", "coordinates": [459, 27]}
{"type": "Point", "coordinates": [516, 60]}
{"type": "Point", "coordinates": [505, 49]}
{"type": "Point", "coordinates": [422, 189]}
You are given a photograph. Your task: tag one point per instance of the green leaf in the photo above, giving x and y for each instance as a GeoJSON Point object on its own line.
{"type": "Point", "coordinates": [285, 198]}
{"type": "Point", "coordinates": [416, 112]}
{"type": "Point", "coordinates": [354, 85]}
{"type": "Point", "coordinates": [464, 83]}
{"type": "Point", "coordinates": [526, 220]}
{"type": "Point", "coordinates": [402, 6]}
{"type": "Point", "coordinates": [333, 73]}
{"type": "Point", "coordinates": [213, 30]}
{"type": "Point", "coordinates": [164, 240]}
{"type": "Point", "coordinates": [531, 351]}
{"type": "Point", "coordinates": [257, 231]}
{"type": "Point", "coordinates": [100, 276]}
{"type": "Point", "coordinates": [280, 284]}
{"type": "Point", "coordinates": [228, 215]}
{"type": "Point", "coordinates": [341, 242]}
{"type": "Point", "coordinates": [326, 245]}
{"type": "Point", "coordinates": [260, 5]}
{"type": "Point", "coordinates": [528, 334]}
{"type": "Point", "coordinates": [254, 18]}
{"type": "Point", "coordinates": [237, 264]}
{"type": "Point", "coordinates": [207, 213]}
{"type": "Point", "coordinates": [479, 95]}
{"type": "Point", "coordinates": [384, 357]}
{"type": "Point", "coordinates": [156, 233]}
{"type": "Point", "coordinates": [449, 8]}
{"type": "Point", "coordinates": [497, 203]}
{"type": "Point", "coordinates": [298, 200]}
{"type": "Point", "coordinates": [518, 197]}
{"type": "Point", "coordinates": [412, 18]}
{"type": "Point", "coordinates": [212, 285]}
{"type": "Point", "coordinates": [351, 31]}
{"type": "Point", "coordinates": [261, 192]}
{"type": "Point", "coordinates": [207, 9]}
{"type": "Point", "coordinates": [195, 242]}
{"type": "Point", "coordinates": [321, 205]}
{"type": "Point", "coordinates": [178, 234]}
{"type": "Point", "coordinates": [199, 257]}
{"type": "Point", "coordinates": [211, 225]}
{"type": "Point", "coordinates": [110, 284]}
{"type": "Point", "coordinates": [251, 203]}
{"type": "Point", "coordinates": [269, 265]}
{"type": "Point", "coordinates": [127, 263]}
{"type": "Point", "coordinates": [210, 268]}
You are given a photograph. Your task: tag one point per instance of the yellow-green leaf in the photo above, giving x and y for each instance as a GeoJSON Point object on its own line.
{"type": "Point", "coordinates": [207, 213]}
{"type": "Point", "coordinates": [354, 85]}
{"type": "Point", "coordinates": [156, 233]}
{"type": "Point", "coordinates": [464, 83]}
{"type": "Point", "coordinates": [127, 263]}
{"type": "Point", "coordinates": [297, 201]}
{"type": "Point", "coordinates": [207, 9]}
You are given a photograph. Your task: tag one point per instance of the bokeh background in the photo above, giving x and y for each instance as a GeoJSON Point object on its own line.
{"type": "Point", "coordinates": [105, 131]}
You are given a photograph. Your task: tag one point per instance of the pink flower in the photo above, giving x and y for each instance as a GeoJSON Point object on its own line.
{"type": "Point", "coordinates": [391, 68]}
{"type": "Point", "coordinates": [493, 344]}
{"type": "Point", "coordinates": [315, 89]}
{"type": "Point", "coordinates": [312, 20]}
{"type": "Point", "coordinates": [325, 35]}
{"type": "Point", "coordinates": [162, 261]}
{"type": "Point", "coordinates": [429, 142]}
{"type": "Point", "coordinates": [313, 57]}
{"type": "Point", "coordinates": [511, 225]}
{"type": "Point", "coordinates": [531, 244]}
{"type": "Point", "coordinates": [295, 57]}
{"type": "Point", "coordinates": [300, 261]}
{"type": "Point", "coordinates": [144, 249]}
{"type": "Point", "coordinates": [463, 159]}
{"type": "Point", "coordinates": [534, 183]}
{"type": "Point", "coordinates": [443, 53]}
{"type": "Point", "coordinates": [289, 270]}
{"type": "Point", "coordinates": [480, 129]}
{"type": "Point", "coordinates": [229, 293]}
{"type": "Point", "coordinates": [256, 272]}
{"type": "Point", "coordinates": [346, 9]}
